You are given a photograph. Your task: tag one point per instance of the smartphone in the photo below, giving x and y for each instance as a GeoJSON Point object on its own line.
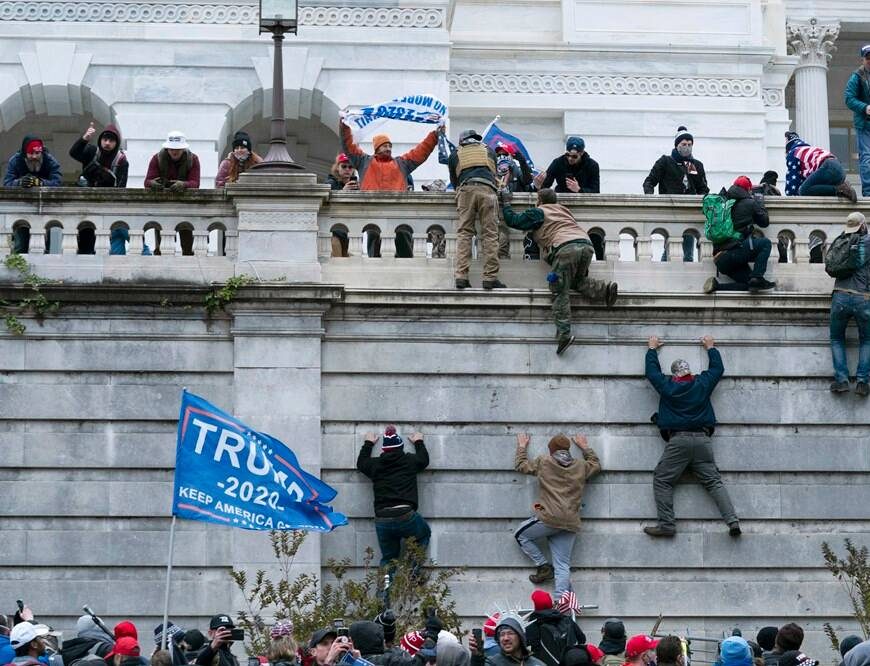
{"type": "Point", "coordinates": [477, 632]}
{"type": "Point", "coordinates": [20, 605]}
{"type": "Point", "coordinates": [237, 635]}
{"type": "Point", "coordinates": [352, 179]}
{"type": "Point", "coordinates": [340, 629]}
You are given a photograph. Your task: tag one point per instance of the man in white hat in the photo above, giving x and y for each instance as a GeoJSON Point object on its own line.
{"type": "Point", "coordinates": [851, 300]}
{"type": "Point", "coordinates": [174, 168]}
{"type": "Point", "coordinates": [27, 640]}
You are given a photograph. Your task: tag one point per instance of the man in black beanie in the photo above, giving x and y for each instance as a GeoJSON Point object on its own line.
{"type": "Point", "coordinates": [766, 638]}
{"type": "Point", "coordinates": [679, 172]}
{"type": "Point", "coordinates": [613, 642]}
{"type": "Point", "coordinates": [767, 185]}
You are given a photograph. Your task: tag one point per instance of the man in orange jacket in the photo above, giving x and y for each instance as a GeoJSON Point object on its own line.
{"type": "Point", "coordinates": [382, 172]}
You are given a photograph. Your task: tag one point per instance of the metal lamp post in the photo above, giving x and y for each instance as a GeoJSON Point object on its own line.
{"type": "Point", "coordinates": [278, 17]}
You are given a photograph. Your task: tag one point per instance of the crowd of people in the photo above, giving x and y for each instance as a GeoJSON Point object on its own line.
{"type": "Point", "coordinates": [547, 634]}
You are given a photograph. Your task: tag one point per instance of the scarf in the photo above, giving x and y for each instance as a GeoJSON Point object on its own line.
{"type": "Point", "coordinates": [679, 159]}
{"type": "Point", "coordinates": [562, 457]}
{"type": "Point", "coordinates": [684, 379]}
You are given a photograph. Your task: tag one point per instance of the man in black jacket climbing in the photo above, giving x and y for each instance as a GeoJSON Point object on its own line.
{"type": "Point", "coordinates": [394, 480]}
{"type": "Point", "coordinates": [732, 257]}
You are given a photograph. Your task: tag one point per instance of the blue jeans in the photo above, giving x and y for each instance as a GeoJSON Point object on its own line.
{"type": "Point", "coordinates": [823, 182]}
{"type": "Point", "coordinates": [843, 308]}
{"type": "Point", "coordinates": [864, 159]}
{"type": "Point", "coordinates": [392, 532]}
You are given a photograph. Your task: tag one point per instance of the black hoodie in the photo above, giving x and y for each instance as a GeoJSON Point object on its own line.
{"type": "Point", "coordinates": [102, 169]}
{"type": "Point", "coordinates": [747, 212]}
{"type": "Point", "coordinates": [393, 474]}
{"type": "Point", "coordinates": [563, 625]}
{"type": "Point", "coordinates": [368, 638]}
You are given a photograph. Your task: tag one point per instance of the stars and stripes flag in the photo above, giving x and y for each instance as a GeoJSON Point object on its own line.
{"type": "Point", "coordinates": [568, 603]}
{"type": "Point", "coordinates": [802, 161]}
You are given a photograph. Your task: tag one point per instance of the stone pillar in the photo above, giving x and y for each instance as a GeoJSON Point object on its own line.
{"type": "Point", "coordinates": [813, 43]}
{"type": "Point", "coordinates": [278, 225]}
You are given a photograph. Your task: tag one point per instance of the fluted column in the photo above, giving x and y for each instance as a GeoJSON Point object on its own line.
{"type": "Point", "coordinates": [813, 42]}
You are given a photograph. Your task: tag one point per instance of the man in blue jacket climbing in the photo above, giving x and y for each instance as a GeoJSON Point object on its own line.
{"type": "Point", "coordinates": [686, 422]}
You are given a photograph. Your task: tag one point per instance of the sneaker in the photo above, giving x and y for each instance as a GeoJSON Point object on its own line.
{"type": "Point", "coordinates": [757, 284]}
{"type": "Point", "coordinates": [494, 284]}
{"type": "Point", "coordinates": [564, 343]}
{"type": "Point", "coordinates": [659, 531]}
{"type": "Point", "coordinates": [847, 191]}
{"type": "Point", "coordinates": [841, 387]}
{"type": "Point", "coordinates": [862, 389]}
{"type": "Point", "coordinates": [543, 573]}
{"type": "Point", "coordinates": [611, 294]}
{"type": "Point", "coordinates": [734, 529]}
{"type": "Point", "coordinates": [710, 285]}
{"type": "Point", "coordinates": [462, 283]}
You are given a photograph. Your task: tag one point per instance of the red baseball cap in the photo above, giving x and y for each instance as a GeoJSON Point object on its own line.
{"type": "Point", "coordinates": [639, 644]}
{"type": "Point", "coordinates": [342, 158]}
{"type": "Point", "coordinates": [595, 652]}
{"type": "Point", "coordinates": [126, 646]}
{"type": "Point", "coordinates": [744, 182]}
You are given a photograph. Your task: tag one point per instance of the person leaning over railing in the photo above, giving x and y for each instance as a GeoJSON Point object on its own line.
{"type": "Point", "coordinates": [241, 158]}
{"type": "Point", "coordinates": [679, 172]}
{"type": "Point", "coordinates": [32, 166]}
{"type": "Point", "coordinates": [105, 164]}
{"type": "Point", "coordinates": [342, 175]}
{"type": "Point", "coordinates": [174, 167]}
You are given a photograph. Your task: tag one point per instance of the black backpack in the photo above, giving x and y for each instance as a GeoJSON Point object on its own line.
{"type": "Point", "coordinates": [556, 638]}
{"type": "Point", "coordinates": [845, 255]}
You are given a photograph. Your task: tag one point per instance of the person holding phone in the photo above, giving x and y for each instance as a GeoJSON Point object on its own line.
{"type": "Point", "coordinates": [342, 175]}
{"type": "Point", "coordinates": [222, 634]}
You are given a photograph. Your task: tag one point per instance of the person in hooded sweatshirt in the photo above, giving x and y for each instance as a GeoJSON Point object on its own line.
{"type": "Point", "coordinates": [859, 655]}
{"type": "Point", "coordinates": [679, 172]}
{"type": "Point", "coordinates": [513, 649]}
{"type": "Point", "coordinates": [103, 164]}
{"type": "Point", "coordinates": [612, 644]}
{"type": "Point", "coordinates": [543, 623]}
{"type": "Point", "coordinates": [90, 639]}
{"type": "Point", "coordinates": [368, 638]}
{"type": "Point", "coordinates": [556, 514]}
{"type": "Point", "coordinates": [686, 421]}
{"type": "Point", "coordinates": [32, 166]}
{"type": "Point", "coordinates": [732, 257]}
{"type": "Point", "coordinates": [452, 654]}
{"type": "Point", "coordinates": [394, 481]}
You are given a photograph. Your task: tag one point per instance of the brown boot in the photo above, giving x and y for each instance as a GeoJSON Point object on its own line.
{"type": "Point", "coordinates": [847, 191]}
{"type": "Point", "coordinates": [543, 573]}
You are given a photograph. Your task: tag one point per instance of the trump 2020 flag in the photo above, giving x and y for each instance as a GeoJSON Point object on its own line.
{"type": "Point", "coordinates": [495, 135]}
{"type": "Point", "coordinates": [229, 474]}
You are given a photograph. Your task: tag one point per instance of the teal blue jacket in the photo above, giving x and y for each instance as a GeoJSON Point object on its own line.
{"type": "Point", "coordinates": [857, 97]}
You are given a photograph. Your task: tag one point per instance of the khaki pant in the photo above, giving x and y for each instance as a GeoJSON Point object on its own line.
{"type": "Point", "coordinates": [504, 237]}
{"type": "Point", "coordinates": [477, 202]}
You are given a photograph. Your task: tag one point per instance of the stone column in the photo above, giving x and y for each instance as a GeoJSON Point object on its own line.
{"type": "Point", "coordinates": [813, 43]}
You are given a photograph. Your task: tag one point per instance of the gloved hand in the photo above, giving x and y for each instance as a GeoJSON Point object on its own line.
{"type": "Point", "coordinates": [156, 186]}
{"type": "Point", "coordinates": [505, 196]}
{"type": "Point", "coordinates": [177, 186]}
{"type": "Point", "coordinates": [30, 181]}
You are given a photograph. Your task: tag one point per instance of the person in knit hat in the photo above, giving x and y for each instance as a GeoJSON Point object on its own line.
{"type": "Point", "coordinates": [767, 185]}
{"type": "Point", "coordinates": [732, 257]}
{"type": "Point", "coordinates": [240, 159]}
{"type": "Point", "coordinates": [612, 643]}
{"type": "Point", "coordinates": [686, 421]}
{"type": "Point", "coordinates": [734, 651]}
{"type": "Point", "coordinates": [679, 172]}
{"type": "Point", "coordinates": [32, 166]}
{"type": "Point", "coordinates": [381, 171]}
{"type": "Point", "coordinates": [556, 513]}
{"type": "Point", "coordinates": [546, 622]}
{"type": "Point", "coordinates": [103, 164]}
{"type": "Point", "coordinates": [394, 481]}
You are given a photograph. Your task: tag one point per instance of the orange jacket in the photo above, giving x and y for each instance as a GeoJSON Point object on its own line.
{"type": "Point", "coordinates": [385, 175]}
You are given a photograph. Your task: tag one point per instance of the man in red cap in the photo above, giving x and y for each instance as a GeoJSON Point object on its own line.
{"type": "Point", "coordinates": [394, 481]}
{"type": "Point", "coordinates": [550, 633]}
{"type": "Point", "coordinates": [32, 166]}
{"type": "Point", "coordinates": [640, 650]}
{"type": "Point", "coordinates": [125, 653]}
{"type": "Point", "coordinates": [733, 256]}
{"type": "Point", "coordinates": [556, 517]}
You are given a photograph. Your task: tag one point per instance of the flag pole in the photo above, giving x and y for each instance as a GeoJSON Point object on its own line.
{"type": "Point", "coordinates": [165, 638]}
{"type": "Point", "coordinates": [488, 127]}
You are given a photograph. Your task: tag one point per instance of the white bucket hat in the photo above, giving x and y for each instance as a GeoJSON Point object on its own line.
{"type": "Point", "coordinates": [176, 141]}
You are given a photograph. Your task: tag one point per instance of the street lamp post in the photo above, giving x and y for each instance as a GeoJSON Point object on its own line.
{"type": "Point", "coordinates": [278, 17]}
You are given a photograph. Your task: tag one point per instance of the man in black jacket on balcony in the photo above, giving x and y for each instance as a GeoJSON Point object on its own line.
{"type": "Point", "coordinates": [732, 257]}
{"type": "Point", "coordinates": [394, 481]}
{"type": "Point", "coordinates": [679, 172]}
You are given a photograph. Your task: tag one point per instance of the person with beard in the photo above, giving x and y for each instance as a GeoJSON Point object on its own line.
{"type": "Point", "coordinates": [732, 257]}
{"type": "Point", "coordinates": [679, 172]}
{"type": "Point", "coordinates": [32, 166]}
{"type": "Point", "coordinates": [556, 517]}
{"type": "Point", "coordinates": [174, 167]}
{"type": "Point", "coordinates": [513, 649]}
{"type": "Point", "coordinates": [549, 633]}
{"type": "Point", "coordinates": [394, 481]}
{"type": "Point", "coordinates": [240, 159]}
{"type": "Point", "coordinates": [103, 165]}
{"type": "Point", "coordinates": [612, 643]}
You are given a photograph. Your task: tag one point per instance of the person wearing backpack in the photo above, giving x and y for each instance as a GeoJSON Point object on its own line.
{"type": "Point", "coordinates": [550, 633]}
{"type": "Point", "coordinates": [857, 98]}
{"type": "Point", "coordinates": [850, 300]}
{"type": "Point", "coordinates": [734, 247]}
{"type": "Point", "coordinates": [679, 172]}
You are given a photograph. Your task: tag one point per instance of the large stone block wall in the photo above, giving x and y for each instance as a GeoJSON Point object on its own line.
{"type": "Point", "coordinates": [89, 401]}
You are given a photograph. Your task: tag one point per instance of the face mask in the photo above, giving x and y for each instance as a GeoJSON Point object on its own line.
{"type": "Point", "coordinates": [684, 151]}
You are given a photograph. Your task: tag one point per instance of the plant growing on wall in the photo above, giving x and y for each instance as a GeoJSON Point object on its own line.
{"type": "Point", "coordinates": [37, 303]}
{"type": "Point", "coordinates": [853, 572]}
{"type": "Point", "coordinates": [312, 603]}
{"type": "Point", "coordinates": [218, 299]}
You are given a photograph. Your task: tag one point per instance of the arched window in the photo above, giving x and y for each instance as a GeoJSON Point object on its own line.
{"type": "Point", "coordinates": [86, 238]}
{"type": "Point", "coordinates": [371, 241]}
{"type": "Point", "coordinates": [54, 237]}
{"type": "Point", "coordinates": [119, 238]}
{"type": "Point", "coordinates": [340, 240]}
{"type": "Point", "coordinates": [152, 238]}
{"type": "Point", "coordinates": [404, 242]}
{"type": "Point", "coordinates": [659, 245]}
{"type": "Point", "coordinates": [818, 246]}
{"type": "Point", "coordinates": [691, 245]}
{"type": "Point", "coordinates": [785, 246]}
{"type": "Point", "coordinates": [436, 242]}
{"type": "Point", "coordinates": [21, 237]}
{"type": "Point", "coordinates": [217, 240]}
{"type": "Point", "coordinates": [627, 245]}
{"type": "Point", "coordinates": [597, 237]}
{"type": "Point", "coordinates": [184, 232]}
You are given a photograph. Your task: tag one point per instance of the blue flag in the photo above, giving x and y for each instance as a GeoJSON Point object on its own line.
{"type": "Point", "coordinates": [495, 135]}
{"type": "Point", "coordinates": [229, 474]}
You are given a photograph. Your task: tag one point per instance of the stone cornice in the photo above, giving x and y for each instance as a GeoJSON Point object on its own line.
{"type": "Point", "coordinates": [813, 42]}
{"type": "Point", "coordinates": [202, 13]}
{"type": "Point", "coordinates": [535, 84]}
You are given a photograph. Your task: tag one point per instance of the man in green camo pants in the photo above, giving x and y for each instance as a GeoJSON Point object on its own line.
{"type": "Point", "coordinates": [567, 248]}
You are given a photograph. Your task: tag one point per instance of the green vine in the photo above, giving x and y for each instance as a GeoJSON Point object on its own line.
{"type": "Point", "coordinates": [220, 298]}
{"type": "Point", "coordinates": [37, 303]}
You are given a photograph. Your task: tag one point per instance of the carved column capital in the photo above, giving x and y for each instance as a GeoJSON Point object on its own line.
{"type": "Point", "coordinates": [813, 41]}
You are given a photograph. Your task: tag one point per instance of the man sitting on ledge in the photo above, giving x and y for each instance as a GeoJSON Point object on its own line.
{"type": "Point", "coordinates": [567, 248]}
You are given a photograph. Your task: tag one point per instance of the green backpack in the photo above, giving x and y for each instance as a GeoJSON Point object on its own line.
{"type": "Point", "coordinates": [845, 256]}
{"type": "Point", "coordinates": [718, 227]}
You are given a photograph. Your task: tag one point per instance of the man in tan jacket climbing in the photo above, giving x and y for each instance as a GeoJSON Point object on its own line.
{"type": "Point", "coordinates": [556, 517]}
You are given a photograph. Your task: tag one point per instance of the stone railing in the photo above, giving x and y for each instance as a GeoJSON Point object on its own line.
{"type": "Point", "coordinates": [380, 240]}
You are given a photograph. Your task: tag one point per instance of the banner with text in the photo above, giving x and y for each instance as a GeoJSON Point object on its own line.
{"type": "Point", "coordinates": [229, 474]}
{"type": "Point", "coordinates": [411, 109]}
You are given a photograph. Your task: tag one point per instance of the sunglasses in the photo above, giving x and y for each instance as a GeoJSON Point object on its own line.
{"type": "Point", "coordinates": [345, 166]}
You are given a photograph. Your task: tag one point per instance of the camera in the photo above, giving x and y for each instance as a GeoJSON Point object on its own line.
{"type": "Point", "coordinates": [237, 635]}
